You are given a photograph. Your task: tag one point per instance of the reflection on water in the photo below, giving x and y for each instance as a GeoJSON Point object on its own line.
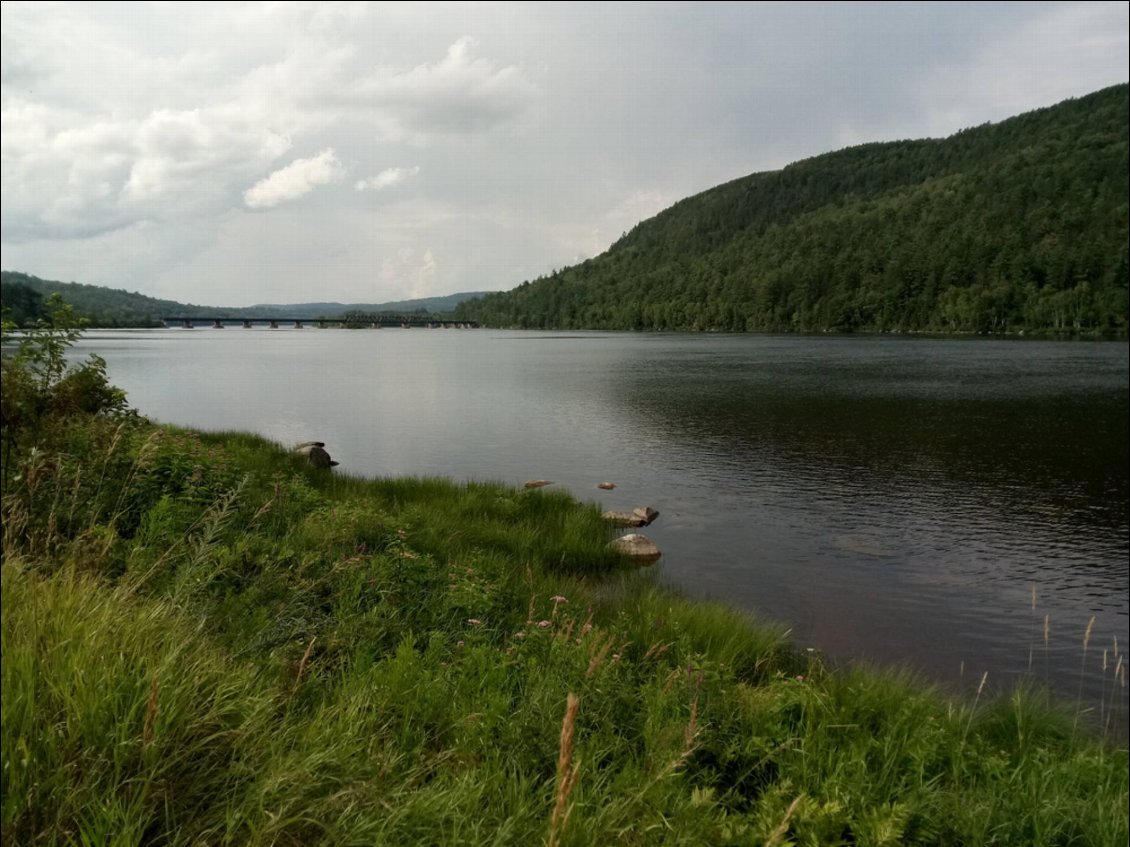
{"type": "Point", "coordinates": [889, 498]}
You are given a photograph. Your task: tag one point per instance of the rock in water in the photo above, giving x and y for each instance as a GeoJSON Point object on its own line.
{"type": "Point", "coordinates": [606, 486]}
{"type": "Point", "coordinates": [646, 514]}
{"type": "Point", "coordinates": [642, 516]}
{"type": "Point", "coordinates": [315, 453]}
{"type": "Point", "coordinates": [624, 519]}
{"type": "Point", "coordinates": [637, 546]}
{"type": "Point", "coordinates": [538, 483]}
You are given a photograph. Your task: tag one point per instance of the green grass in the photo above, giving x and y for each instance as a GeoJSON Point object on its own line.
{"type": "Point", "coordinates": [205, 642]}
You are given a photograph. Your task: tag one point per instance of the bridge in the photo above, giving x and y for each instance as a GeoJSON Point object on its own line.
{"type": "Point", "coordinates": [376, 321]}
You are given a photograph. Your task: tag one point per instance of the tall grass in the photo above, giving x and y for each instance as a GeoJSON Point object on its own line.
{"type": "Point", "coordinates": [206, 642]}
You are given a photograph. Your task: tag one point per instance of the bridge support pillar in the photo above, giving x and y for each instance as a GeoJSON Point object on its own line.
{"type": "Point", "coordinates": [274, 324]}
{"type": "Point", "coordinates": [298, 324]}
{"type": "Point", "coordinates": [187, 323]}
{"type": "Point", "coordinates": [217, 324]}
{"type": "Point", "coordinates": [247, 324]}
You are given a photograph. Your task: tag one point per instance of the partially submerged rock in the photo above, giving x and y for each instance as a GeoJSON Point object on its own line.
{"type": "Point", "coordinates": [637, 546]}
{"type": "Point", "coordinates": [606, 486]}
{"type": "Point", "coordinates": [315, 454]}
{"type": "Point", "coordinates": [538, 483]}
{"type": "Point", "coordinates": [641, 516]}
{"type": "Point", "coordinates": [624, 519]}
{"type": "Point", "coordinates": [646, 513]}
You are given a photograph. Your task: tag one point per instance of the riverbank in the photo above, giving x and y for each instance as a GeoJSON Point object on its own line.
{"type": "Point", "coordinates": [205, 641]}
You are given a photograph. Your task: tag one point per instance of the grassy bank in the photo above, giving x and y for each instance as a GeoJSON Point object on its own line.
{"type": "Point", "coordinates": [206, 642]}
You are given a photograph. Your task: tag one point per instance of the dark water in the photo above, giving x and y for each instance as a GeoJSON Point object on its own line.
{"type": "Point", "coordinates": [894, 499]}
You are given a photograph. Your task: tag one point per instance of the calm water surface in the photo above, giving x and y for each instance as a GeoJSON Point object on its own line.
{"type": "Point", "coordinates": [894, 499]}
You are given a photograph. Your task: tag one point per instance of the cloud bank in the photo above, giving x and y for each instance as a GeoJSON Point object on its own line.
{"type": "Point", "coordinates": [165, 150]}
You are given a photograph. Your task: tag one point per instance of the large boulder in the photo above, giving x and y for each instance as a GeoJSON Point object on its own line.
{"type": "Point", "coordinates": [639, 547]}
{"type": "Point", "coordinates": [315, 454]}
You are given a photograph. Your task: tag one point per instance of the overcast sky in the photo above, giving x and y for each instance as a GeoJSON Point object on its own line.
{"type": "Point", "coordinates": [233, 153]}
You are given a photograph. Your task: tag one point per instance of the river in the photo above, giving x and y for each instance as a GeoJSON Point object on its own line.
{"type": "Point", "coordinates": [919, 501]}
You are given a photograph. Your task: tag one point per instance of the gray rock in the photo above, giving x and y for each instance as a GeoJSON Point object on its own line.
{"type": "Point", "coordinates": [624, 519]}
{"type": "Point", "coordinates": [642, 516]}
{"type": "Point", "coordinates": [637, 546]}
{"type": "Point", "coordinates": [647, 514]}
{"type": "Point", "coordinates": [314, 452]}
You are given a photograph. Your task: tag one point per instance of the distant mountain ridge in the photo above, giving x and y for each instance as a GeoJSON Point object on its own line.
{"type": "Point", "coordinates": [1015, 226]}
{"type": "Point", "coordinates": [109, 307]}
{"type": "Point", "coordinates": [437, 305]}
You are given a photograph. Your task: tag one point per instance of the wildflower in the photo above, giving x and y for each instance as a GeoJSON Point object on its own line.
{"type": "Point", "coordinates": [519, 634]}
{"type": "Point", "coordinates": [458, 643]}
{"type": "Point", "coordinates": [543, 624]}
{"type": "Point", "coordinates": [474, 621]}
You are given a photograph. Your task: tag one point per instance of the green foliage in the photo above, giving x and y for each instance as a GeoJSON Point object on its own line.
{"type": "Point", "coordinates": [1017, 226]}
{"type": "Point", "coordinates": [38, 387]}
{"type": "Point", "coordinates": [99, 306]}
{"type": "Point", "coordinates": [23, 296]}
{"type": "Point", "coordinates": [20, 303]}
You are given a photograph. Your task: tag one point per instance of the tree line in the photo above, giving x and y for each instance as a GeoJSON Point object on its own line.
{"type": "Point", "coordinates": [1016, 226]}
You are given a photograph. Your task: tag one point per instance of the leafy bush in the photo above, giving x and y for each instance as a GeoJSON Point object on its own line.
{"type": "Point", "coordinates": [38, 385]}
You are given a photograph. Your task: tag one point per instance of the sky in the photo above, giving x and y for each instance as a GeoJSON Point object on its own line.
{"type": "Point", "coordinates": [242, 153]}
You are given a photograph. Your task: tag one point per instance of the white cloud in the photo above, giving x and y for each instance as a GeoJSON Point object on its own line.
{"type": "Point", "coordinates": [298, 178]}
{"type": "Point", "coordinates": [461, 93]}
{"type": "Point", "coordinates": [409, 272]}
{"type": "Point", "coordinates": [175, 150]}
{"type": "Point", "coordinates": [67, 175]}
{"type": "Point", "coordinates": [386, 178]}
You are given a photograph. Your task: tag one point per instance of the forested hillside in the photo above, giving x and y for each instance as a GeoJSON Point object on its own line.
{"type": "Point", "coordinates": [1020, 225]}
{"type": "Point", "coordinates": [25, 296]}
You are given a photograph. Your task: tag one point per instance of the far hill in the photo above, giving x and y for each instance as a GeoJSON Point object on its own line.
{"type": "Point", "coordinates": [110, 307]}
{"type": "Point", "coordinates": [431, 305]}
{"type": "Point", "coordinates": [1014, 226]}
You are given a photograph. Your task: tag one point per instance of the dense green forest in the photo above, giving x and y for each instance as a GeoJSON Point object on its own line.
{"type": "Point", "coordinates": [25, 296]}
{"type": "Point", "coordinates": [1007, 227]}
